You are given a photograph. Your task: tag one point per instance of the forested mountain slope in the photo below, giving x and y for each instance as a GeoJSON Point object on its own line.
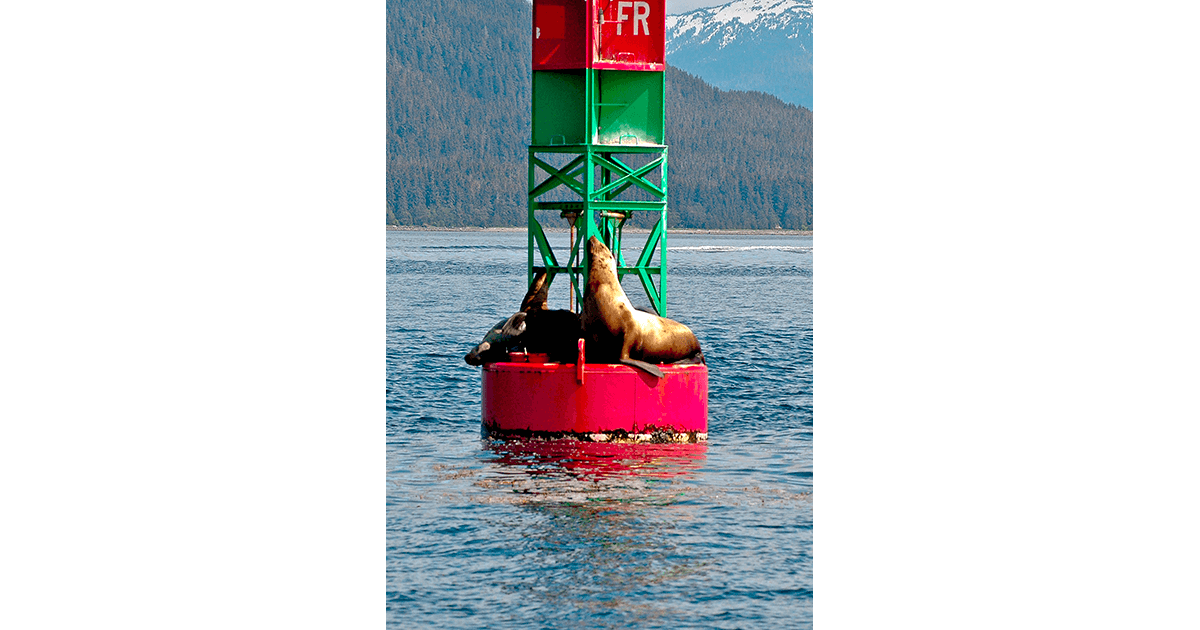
{"type": "Point", "coordinates": [458, 81]}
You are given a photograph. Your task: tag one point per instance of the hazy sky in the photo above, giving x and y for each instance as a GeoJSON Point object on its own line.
{"type": "Point", "coordinates": [682, 6]}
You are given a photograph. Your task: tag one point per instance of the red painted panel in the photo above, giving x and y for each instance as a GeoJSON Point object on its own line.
{"type": "Point", "coordinates": [610, 34]}
{"type": "Point", "coordinates": [559, 34]}
{"type": "Point", "coordinates": [549, 397]}
{"type": "Point", "coordinates": [632, 34]}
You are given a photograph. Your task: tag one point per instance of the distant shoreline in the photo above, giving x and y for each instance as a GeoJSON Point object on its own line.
{"type": "Point", "coordinates": [631, 230]}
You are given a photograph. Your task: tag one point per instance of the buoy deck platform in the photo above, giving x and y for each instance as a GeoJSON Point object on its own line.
{"type": "Point", "coordinates": [598, 402]}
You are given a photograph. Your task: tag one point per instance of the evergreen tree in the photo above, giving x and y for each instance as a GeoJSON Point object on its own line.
{"type": "Point", "coordinates": [458, 101]}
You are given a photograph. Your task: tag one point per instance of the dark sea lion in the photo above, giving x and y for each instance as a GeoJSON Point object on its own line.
{"type": "Point", "coordinates": [535, 328]}
{"type": "Point", "coordinates": [496, 342]}
{"type": "Point", "coordinates": [554, 332]}
{"type": "Point", "coordinates": [618, 333]}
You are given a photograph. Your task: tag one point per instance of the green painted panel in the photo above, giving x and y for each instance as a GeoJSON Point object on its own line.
{"type": "Point", "coordinates": [630, 107]}
{"type": "Point", "coordinates": [559, 107]}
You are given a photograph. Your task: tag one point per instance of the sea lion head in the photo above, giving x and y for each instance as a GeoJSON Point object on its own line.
{"type": "Point", "coordinates": [494, 346]}
{"type": "Point", "coordinates": [601, 265]}
{"type": "Point", "coordinates": [475, 357]}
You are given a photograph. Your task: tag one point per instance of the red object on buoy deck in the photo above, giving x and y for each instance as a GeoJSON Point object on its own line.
{"type": "Point", "coordinates": [595, 401]}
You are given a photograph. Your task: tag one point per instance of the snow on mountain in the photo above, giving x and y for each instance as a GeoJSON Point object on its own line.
{"type": "Point", "coordinates": [752, 14]}
{"type": "Point", "coordinates": [763, 45]}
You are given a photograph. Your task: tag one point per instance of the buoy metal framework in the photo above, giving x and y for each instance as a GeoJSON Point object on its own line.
{"type": "Point", "coordinates": [598, 104]}
{"type": "Point", "coordinates": [597, 156]}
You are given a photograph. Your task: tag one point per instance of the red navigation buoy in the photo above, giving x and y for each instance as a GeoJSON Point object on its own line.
{"type": "Point", "coordinates": [599, 402]}
{"type": "Point", "coordinates": [598, 138]}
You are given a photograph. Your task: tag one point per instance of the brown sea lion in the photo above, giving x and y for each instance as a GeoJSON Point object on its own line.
{"type": "Point", "coordinates": [535, 328]}
{"type": "Point", "coordinates": [618, 333]}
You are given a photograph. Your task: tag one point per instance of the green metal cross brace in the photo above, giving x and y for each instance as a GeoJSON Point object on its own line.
{"type": "Point", "coordinates": [557, 177]}
{"type": "Point", "coordinates": [629, 177]}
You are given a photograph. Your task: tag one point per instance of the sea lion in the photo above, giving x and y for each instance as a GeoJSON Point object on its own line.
{"type": "Point", "coordinates": [618, 333]}
{"type": "Point", "coordinates": [535, 328]}
{"type": "Point", "coordinates": [496, 342]}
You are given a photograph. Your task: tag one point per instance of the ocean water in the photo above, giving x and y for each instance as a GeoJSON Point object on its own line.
{"type": "Point", "coordinates": [492, 534]}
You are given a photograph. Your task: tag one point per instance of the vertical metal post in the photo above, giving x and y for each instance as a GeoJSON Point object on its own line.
{"type": "Point", "coordinates": [589, 185]}
{"type": "Point", "coordinates": [662, 252]}
{"type": "Point", "coordinates": [572, 218]}
{"type": "Point", "coordinates": [571, 287]}
{"type": "Point", "coordinates": [530, 203]}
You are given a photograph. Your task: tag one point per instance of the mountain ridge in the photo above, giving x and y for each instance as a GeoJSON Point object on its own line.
{"type": "Point", "coordinates": [760, 45]}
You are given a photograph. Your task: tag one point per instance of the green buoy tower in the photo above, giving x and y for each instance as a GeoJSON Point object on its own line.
{"type": "Point", "coordinates": [598, 152]}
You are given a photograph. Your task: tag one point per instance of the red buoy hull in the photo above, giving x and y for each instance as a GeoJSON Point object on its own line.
{"type": "Point", "coordinates": [600, 402]}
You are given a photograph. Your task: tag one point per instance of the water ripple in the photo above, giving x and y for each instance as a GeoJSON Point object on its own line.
{"type": "Point", "coordinates": [488, 533]}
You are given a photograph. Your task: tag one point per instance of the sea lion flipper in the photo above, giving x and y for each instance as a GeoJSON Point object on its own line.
{"type": "Point", "coordinates": [696, 358]}
{"type": "Point", "coordinates": [535, 297]}
{"type": "Point", "coordinates": [642, 365]}
{"type": "Point", "coordinates": [514, 325]}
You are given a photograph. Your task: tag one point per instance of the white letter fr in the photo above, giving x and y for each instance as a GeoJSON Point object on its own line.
{"type": "Point", "coordinates": [621, 6]}
{"type": "Point", "coordinates": [640, 15]}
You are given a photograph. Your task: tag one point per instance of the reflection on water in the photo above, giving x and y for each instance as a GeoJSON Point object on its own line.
{"type": "Point", "coordinates": [604, 522]}
{"type": "Point", "coordinates": [571, 471]}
